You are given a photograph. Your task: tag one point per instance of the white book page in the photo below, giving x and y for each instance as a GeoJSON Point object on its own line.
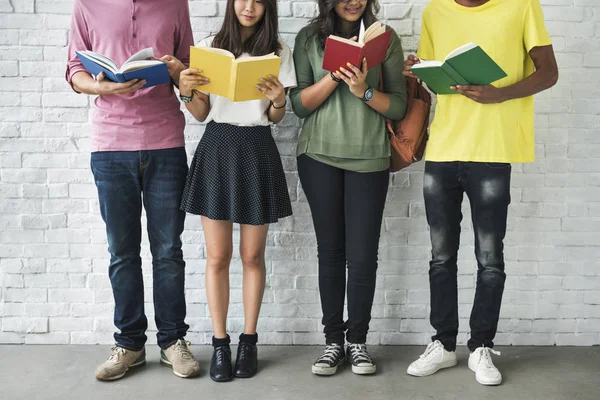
{"type": "Point", "coordinates": [101, 60]}
{"type": "Point", "coordinates": [143, 54]}
{"type": "Point", "coordinates": [219, 51]}
{"type": "Point", "coordinates": [374, 31]}
{"type": "Point", "coordinates": [461, 50]}
{"type": "Point", "coordinates": [265, 57]}
{"type": "Point", "coordinates": [344, 40]}
{"type": "Point", "coordinates": [132, 65]}
{"type": "Point", "coordinates": [427, 64]}
{"type": "Point", "coordinates": [361, 34]}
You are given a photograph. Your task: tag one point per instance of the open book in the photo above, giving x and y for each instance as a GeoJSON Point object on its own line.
{"type": "Point", "coordinates": [372, 44]}
{"type": "Point", "coordinates": [231, 78]}
{"type": "Point", "coordinates": [138, 66]}
{"type": "Point", "coordinates": [466, 65]}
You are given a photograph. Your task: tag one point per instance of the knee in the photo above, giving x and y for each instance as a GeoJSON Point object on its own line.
{"type": "Point", "coordinates": [363, 265]}
{"type": "Point", "coordinates": [444, 249]}
{"type": "Point", "coordinates": [492, 276]}
{"type": "Point", "coordinates": [331, 255]}
{"type": "Point", "coordinates": [253, 259]}
{"type": "Point", "coordinates": [219, 259]}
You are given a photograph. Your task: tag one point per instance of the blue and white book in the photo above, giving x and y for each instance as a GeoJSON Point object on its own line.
{"type": "Point", "coordinates": [139, 66]}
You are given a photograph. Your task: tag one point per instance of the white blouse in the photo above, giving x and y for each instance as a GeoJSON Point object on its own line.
{"type": "Point", "coordinates": [253, 112]}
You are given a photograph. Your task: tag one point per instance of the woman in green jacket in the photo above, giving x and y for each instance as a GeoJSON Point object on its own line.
{"type": "Point", "coordinates": [343, 165]}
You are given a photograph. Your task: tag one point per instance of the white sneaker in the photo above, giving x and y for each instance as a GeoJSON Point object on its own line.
{"type": "Point", "coordinates": [480, 362]}
{"type": "Point", "coordinates": [432, 360]}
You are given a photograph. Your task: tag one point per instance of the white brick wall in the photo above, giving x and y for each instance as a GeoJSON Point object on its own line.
{"type": "Point", "coordinates": [53, 282]}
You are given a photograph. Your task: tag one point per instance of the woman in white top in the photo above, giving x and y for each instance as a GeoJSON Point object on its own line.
{"type": "Point", "coordinates": [236, 175]}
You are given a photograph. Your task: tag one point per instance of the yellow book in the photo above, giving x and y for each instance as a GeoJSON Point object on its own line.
{"type": "Point", "coordinates": [231, 78]}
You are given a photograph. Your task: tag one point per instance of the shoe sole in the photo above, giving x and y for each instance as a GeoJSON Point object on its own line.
{"type": "Point", "coordinates": [221, 380]}
{"type": "Point", "coordinates": [324, 371]}
{"type": "Point", "coordinates": [488, 383]}
{"type": "Point", "coordinates": [364, 370]}
{"type": "Point", "coordinates": [167, 363]}
{"type": "Point", "coordinates": [114, 378]}
{"type": "Point", "coordinates": [243, 376]}
{"type": "Point", "coordinates": [447, 364]}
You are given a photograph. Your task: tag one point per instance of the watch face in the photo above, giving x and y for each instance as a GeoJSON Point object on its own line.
{"type": "Point", "coordinates": [368, 94]}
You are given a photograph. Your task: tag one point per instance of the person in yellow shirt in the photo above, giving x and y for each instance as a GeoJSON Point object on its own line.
{"type": "Point", "coordinates": [475, 136]}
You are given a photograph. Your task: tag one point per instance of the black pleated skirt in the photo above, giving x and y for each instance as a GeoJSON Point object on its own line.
{"type": "Point", "coordinates": [236, 175]}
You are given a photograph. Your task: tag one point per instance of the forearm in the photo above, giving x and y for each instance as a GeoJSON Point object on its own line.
{"type": "Point", "coordinates": [199, 107]}
{"type": "Point", "coordinates": [276, 114]}
{"type": "Point", "coordinates": [315, 95]}
{"type": "Point", "coordinates": [84, 83]}
{"type": "Point", "coordinates": [540, 80]}
{"type": "Point", "coordinates": [380, 102]}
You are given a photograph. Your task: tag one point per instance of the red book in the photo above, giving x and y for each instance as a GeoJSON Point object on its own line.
{"type": "Point", "coordinates": [373, 47]}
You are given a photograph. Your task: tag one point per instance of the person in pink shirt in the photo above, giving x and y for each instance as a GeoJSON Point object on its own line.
{"type": "Point", "coordinates": [138, 160]}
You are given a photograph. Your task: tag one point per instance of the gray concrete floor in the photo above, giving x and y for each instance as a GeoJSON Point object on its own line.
{"type": "Point", "coordinates": [66, 372]}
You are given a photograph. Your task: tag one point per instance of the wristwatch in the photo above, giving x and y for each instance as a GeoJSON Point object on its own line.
{"type": "Point", "coordinates": [186, 99]}
{"type": "Point", "coordinates": [368, 94]}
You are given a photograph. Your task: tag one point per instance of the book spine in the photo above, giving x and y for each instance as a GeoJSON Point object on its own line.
{"type": "Point", "coordinates": [233, 81]}
{"type": "Point", "coordinates": [456, 77]}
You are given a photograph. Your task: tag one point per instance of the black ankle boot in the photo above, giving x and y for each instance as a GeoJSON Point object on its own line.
{"type": "Point", "coordinates": [220, 365]}
{"type": "Point", "coordinates": [246, 362]}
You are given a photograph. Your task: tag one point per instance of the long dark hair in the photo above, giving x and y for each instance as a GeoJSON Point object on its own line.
{"type": "Point", "coordinates": [263, 41]}
{"type": "Point", "coordinates": [328, 22]}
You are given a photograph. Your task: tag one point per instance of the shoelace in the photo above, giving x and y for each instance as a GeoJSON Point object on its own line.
{"type": "Point", "coordinates": [330, 354]}
{"type": "Point", "coordinates": [359, 354]}
{"type": "Point", "coordinates": [182, 348]}
{"type": "Point", "coordinates": [431, 349]}
{"type": "Point", "coordinates": [221, 352]}
{"type": "Point", "coordinates": [245, 348]}
{"type": "Point", "coordinates": [485, 356]}
{"type": "Point", "coordinates": [116, 353]}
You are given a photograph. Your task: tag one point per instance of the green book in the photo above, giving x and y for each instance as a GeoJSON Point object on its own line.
{"type": "Point", "coordinates": [466, 65]}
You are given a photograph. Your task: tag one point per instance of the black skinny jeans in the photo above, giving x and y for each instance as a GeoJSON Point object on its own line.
{"type": "Point", "coordinates": [347, 210]}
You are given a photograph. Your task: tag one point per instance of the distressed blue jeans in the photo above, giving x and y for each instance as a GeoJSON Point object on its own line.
{"type": "Point", "coordinates": [126, 182]}
{"type": "Point", "coordinates": [487, 186]}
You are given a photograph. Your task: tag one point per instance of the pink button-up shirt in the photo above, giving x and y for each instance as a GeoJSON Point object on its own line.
{"type": "Point", "coordinates": [147, 119]}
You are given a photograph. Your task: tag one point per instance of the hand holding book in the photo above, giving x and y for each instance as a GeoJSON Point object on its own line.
{"type": "Point", "coordinates": [273, 90]}
{"type": "Point", "coordinates": [105, 87]}
{"type": "Point", "coordinates": [189, 79]}
{"type": "Point", "coordinates": [355, 78]}
{"type": "Point", "coordinates": [467, 65]}
{"type": "Point", "coordinates": [140, 66]}
{"type": "Point", "coordinates": [233, 78]}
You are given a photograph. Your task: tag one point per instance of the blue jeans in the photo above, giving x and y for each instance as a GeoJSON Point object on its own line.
{"type": "Point", "coordinates": [488, 187]}
{"type": "Point", "coordinates": [126, 180]}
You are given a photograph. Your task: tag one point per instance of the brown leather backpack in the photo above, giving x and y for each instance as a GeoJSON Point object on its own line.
{"type": "Point", "coordinates": [408, 136]}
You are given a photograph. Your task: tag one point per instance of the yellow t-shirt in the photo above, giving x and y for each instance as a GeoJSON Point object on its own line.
{"type": "Point", "coordinates": [464, 130]}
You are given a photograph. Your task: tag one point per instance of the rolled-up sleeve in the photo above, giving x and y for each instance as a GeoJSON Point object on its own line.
{"type": "Point", "coordinates": [184, 37]}
{"type": "Point", "coordinates": [78, 40]}
{"type": "Point", "coordinates": [394, 82]}
{"type": "Point", "coordinates": [304, 75]}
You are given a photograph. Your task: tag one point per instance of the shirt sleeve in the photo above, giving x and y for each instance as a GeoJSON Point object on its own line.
{"type": "Point", "coordinates": [426, 50]}
{"type": "Point", "coordinates": [304, 74]}
{"type": "Point", "coordinates": [394, 83]}
{"type": "Point", "coordinates": [78, 40]}
{"type": "Point", "coordinates": [184, 37]}
{"type": "Point", "coordinates": [287, 72]}
{"type": "Point", "coordinates": [534, 32]}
